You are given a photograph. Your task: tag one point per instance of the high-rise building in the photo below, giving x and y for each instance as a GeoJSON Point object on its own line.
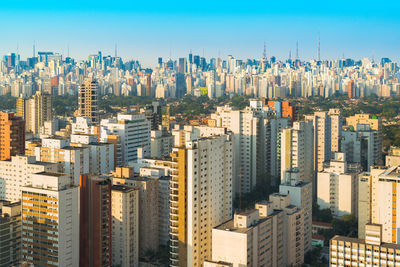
{"type": "Point", "coordinates": [300, 193]}
{"type": "Point", "coordinates": [252, 238]}
{"type": "Point", "coordinates": [294, 234]}
{"type": "Point", "coordinates": [257, 139]}
{"type": "Point", "coordinates": [200, 197]}
{"type": "Point", "coordinates": [363, 145]}
{"type": "Point", "coordinates": [148, 208]}
{"type": "Point", "coordinates": [72, 160]}
{"type": "Point", "coordinates": [297, 151]}
{"type": "Point", "coordinates": [336, 128]}
{"type": "Point", "coordinates": [161, 143]}
{"type": "Point", "coordinates": [125, 225]}
{"type": "Point", "coordinates": [338, 186]}
{"type": "Point", "coordinates": [148, 85]}
{"type": "Point", "coordinates": [12, 136]}
{"type": "Point", "coordinates": [10, 233]}
{"type": "Point", "coordinates": [182, 65]}
{"type": "Point", "coordinates": [371, 251]}
{"type": "Point", "coordinates": [377, 204]}
{"type": "Point", "coordinates": [50, 221]}
{"type": "Point", "coordinates": [131, 132]}
{"type": "Point", "coordinates": [95, 242]}
{"type": "Point", "coordinates": [350, 89]}
{"type": "Point", "coordinates": [87, 100]}
{"type": "Point", "coordinates": [38, 110]}
{"type": "Point", "coordinates": [21, 107]}
{"type": "Point", "coordinates": [17, 172]}
{"type": "Point", "coordinates": [322, 138]}
{"type": "Point", "coordinates": [101, 155]}
{"type": "Point", "coordinates": [283, 109]}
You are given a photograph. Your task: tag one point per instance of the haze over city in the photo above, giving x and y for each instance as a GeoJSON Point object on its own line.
{"type": "Point", "coordinates": [144, 31]}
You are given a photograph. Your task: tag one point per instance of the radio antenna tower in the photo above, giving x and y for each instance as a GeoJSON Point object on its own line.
{"type": "Point", "coordinates": [319, 49]}
{"type": "Point", "coordinates": [265, 51]}
{"type": "Point", "coordinates": [115, 50]}
{"type": "Point", "coordinates": [297, 50]}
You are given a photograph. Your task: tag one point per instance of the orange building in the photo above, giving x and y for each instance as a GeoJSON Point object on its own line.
{"type": "Point", "coordinates": [284, 109]}
{"type": "Point", "coordinates": [350, 89]}
{"type": "Point", "coordinates": [12, 136]}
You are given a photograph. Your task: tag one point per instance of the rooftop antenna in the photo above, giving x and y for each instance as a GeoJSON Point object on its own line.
{"type": "Point", "coordinates": [319, 48]}
{"type": "Point", "coordinates": [297, 50]}
{"type": "Point", "coordinates": [265, 51]}
{"type": "Point", "coordinates": [67, 50]}
{"type": "Point", "coordinates": [115, 50]}
{"type": "Point", "coordinates": [34, 52]}
{"type": "Point", "coordinates": [203, 51]}
{"type": "Point", "coordinates": [290, 54]}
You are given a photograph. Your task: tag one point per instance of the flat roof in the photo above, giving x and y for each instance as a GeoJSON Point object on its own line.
{"type": "Point", "coordinates": [123, 188]}
{"type": "Point", "coordinates": [362, 241]}
{"type": "Point", "coordinates": [55, 174]}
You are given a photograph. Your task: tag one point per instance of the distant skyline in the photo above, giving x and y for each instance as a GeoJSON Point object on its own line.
{"type": "Point", "coordinates": [147, 30]}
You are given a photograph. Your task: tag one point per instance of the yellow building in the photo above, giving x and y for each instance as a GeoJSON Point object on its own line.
{"type": "Point", "coordinates": [50, 221]}
{"type": "Point", "coordinates": [200, 197]}
{"type": "Point", "coordinates": [373, 121]}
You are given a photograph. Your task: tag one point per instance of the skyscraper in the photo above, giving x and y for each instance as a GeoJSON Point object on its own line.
{"type": "Point", "coordinates": [38, 110]}
{"type": "Point", "coordinates": [125, 225]}
{"type": "Point", "coordinates": [87, 100]}
{"type": "Point", "coordinates": [351, 89]}
{"type": "Point", "coordinates": [12, 136]}
{"type": "Point", "coordinates": [200, 197]}
{"type": "Point", "coordinates": [95, 221]}
{"type": "Point", "coordinates": [297, 151]}
{"type": "Point", "coordinates": [50, 230]}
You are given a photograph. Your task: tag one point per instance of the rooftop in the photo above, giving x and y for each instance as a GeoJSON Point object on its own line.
{"type": "Point", "coordinates": [123, 188]}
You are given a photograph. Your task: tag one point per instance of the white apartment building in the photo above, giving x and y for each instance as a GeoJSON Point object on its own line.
{"type": "Point", "coordinates": [256, 142]}
{"type": "Point", "coordinates": [378, 194]}
{"type": "Point", "coordinates": [17, 172]}
{"type": "Point", "coordinates": [148, 207]}
{"type": "Point", "coordinates": [301, 196]}
{"type": "Point", "coordinates": [322, 138]}
{"type": "Point", "coordinates": [72, 160]}
{"type": "Point", "coordinates": [61, 219]}
{"type": "Point", "coordinates": [293, 232]}
{"type": "Point", "coordinates": [252, 238]}
{"type": "Point", "coordinates": [161, 143]}
{"type": "Point", "coordinates": [101, 155]}
{"type": "Point", "coordinates": [133, 131]}
{"type": "Point", "coordinates": [297, 151]}
{"type": "Point", "coordinates": [336, 128]}
{"type": "Point", "coordinates": [338, 187]}
{"type": "Point", "coordinates": [125, 225]}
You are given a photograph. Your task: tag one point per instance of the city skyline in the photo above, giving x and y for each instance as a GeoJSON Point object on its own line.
{"type": "Point", "coordinates": [145, 32]}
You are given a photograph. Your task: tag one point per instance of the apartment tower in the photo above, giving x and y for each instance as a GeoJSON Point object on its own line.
{"type": "Point", "coordinates": [87, 100]}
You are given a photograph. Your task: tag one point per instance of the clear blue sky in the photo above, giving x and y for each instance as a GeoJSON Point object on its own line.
{"type": "Point", "coordinates": [144, 30]}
